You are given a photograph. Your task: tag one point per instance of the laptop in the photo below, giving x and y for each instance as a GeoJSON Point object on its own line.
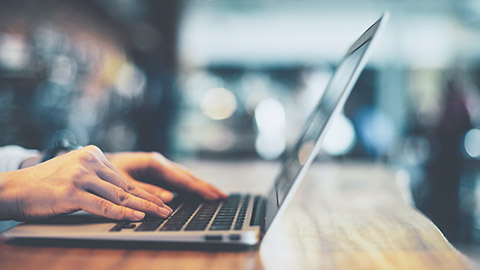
{"type": "Point", "coordinates": [241, 219]}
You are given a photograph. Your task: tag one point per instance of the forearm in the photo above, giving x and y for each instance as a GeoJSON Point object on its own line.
{"type": "Point", "coordinates": [7, 195]}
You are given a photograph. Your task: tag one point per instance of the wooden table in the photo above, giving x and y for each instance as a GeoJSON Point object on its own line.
{"type": "Point", "coordinates": [344, 216]}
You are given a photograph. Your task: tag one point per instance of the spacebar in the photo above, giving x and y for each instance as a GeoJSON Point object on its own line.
{"type": "Point", "coordinates": [149, 226]}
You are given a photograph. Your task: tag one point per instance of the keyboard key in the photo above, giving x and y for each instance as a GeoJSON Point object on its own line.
{"type": "Point", "coordinates": [196, 228]}
{"type": "Point", "coordinates": [220, 227]}
{"type": "Point", "coordinates": [171, 228]}
{"type": "Point", "coordinates": [179, 218]}
{"type": "Point", "coordinates": [123, 225]}
{"type": "Point", "coordinates": [150, 225]}
{"type": "Point", "coordinates": [226, 214]}
{"type": "Point", "coordinates": [118, 227]}
{"type": "Point", "coordinates": [129, 226]}
{"type": "Point", "coordinates": [182, 217]}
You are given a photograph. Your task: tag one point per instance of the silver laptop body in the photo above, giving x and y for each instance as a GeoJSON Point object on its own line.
{"type": "Point", "coordinates": [255, 213]}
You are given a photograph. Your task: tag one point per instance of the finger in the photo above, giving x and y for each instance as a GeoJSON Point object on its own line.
{"type": "Point", "coordinates": [119, 180]}
{"type": "Point", "coordinates": [181, 178]}
{"type": "Point", "coordinates": [101, 207]}
{"type": "Point", "coordinates": [118, 196]}
{"type": "Point", "coordinates": [164, 194]}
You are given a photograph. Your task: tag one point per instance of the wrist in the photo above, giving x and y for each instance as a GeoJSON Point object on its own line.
{"type": "Point", "coordinates": [58, 147]}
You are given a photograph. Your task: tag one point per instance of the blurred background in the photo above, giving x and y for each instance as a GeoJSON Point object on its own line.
{"type": "Point", "coordinates": [231, 79]}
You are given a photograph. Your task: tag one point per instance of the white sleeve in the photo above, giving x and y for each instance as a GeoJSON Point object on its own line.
{"type": "Point", "coordinates": [11, 156]}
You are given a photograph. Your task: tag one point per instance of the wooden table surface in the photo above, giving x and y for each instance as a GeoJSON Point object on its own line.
{"type": "Point", "coordinates": [344, 216]}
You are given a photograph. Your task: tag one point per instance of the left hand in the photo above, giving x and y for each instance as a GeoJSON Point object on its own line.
{"type": "Point", "coordinates": [155, 173]}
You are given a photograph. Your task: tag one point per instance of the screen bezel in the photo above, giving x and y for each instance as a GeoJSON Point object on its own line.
{"type": "Point", "coordinates": [273, 204]}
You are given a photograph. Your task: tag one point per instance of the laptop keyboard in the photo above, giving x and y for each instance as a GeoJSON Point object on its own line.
{"type": "Point", "coordinates": [197, 216]}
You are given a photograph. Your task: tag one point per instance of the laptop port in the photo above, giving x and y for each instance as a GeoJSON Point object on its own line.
{"type": "Point", "coordinates": [213, 237]}
{"type": "Point", "coordinates": [235, 237]}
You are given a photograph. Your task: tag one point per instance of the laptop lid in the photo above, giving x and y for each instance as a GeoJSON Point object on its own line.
{"type": "Point", "coordinates": [301, 155]}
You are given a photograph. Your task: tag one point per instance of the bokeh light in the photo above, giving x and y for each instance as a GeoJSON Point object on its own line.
{"type": "Point", "coordinates": [270, 121]}
{"type": "Point", "coordinates": [340, 139]}
{"type": "Point", "coordinates": [472, 143]}
{"type": "Point", "coordinates": [218, 103]}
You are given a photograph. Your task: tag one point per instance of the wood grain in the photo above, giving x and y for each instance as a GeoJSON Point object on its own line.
{"type": "Point", "coordinates": [344, 216]}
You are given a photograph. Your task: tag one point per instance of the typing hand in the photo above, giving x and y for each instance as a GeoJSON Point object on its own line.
{"type": "Point", "coordinates": [81, 179]}
{"type": "Point", "coordinates": [155, 174]}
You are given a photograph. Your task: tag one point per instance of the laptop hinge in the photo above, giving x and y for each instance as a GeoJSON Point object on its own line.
{"type": "Point", "coordinates": [258, 214]}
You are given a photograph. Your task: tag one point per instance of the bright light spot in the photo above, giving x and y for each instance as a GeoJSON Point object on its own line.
{"type": "Point", "coordinates": [472, 143]}
{"type": "Point", "coordinates": [130, 81]}
{"type": "Point", "coordinates": [270, 116]}
{"type": "Point", "coordinates": [340, 138]}
{"type": "Point", "coordinates": [14, 51]}
{"type": "Point", "coordinates": [305, 151]}
{"type": "Point", "coordinates": [270, 147]}
{"type": "Point", "coordinates": [270, 120]}
{"type": "Point", "coordinates": [218, 103]}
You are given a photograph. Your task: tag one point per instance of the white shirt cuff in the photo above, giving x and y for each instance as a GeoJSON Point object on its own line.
{"type": "Point", "coordinates": [11, 156]}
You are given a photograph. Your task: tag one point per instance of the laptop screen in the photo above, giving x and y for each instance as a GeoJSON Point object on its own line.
{"type": "Point", "coordinates": [298, 159]}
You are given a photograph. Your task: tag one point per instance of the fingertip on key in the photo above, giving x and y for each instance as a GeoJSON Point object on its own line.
{"type": "Point", "coordinates": [212, 196]}
{"type": "Point", "coordinates": [165, 211]}
{"type": "Point", "coordinates": [166, 196]}
{"type": "Point", "coordinates": [138, 215]}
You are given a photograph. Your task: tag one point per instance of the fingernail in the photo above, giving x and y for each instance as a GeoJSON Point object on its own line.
{"type": "Point", "coordinates": [165, 212]}
{"type": "Point", "coordinates": [217, 196]}
{"type": "Point", "coordinates": [138, 215]}
{"type": "Point", "coordinates": [211, 196]}
{"type": "Point", "coordinates": [166, 196]}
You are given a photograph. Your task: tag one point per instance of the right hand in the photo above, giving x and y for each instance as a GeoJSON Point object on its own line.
{"type": "Point", "coordinates": [80, 180]}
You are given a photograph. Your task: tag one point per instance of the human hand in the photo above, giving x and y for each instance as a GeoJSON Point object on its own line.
{"type": "Point", "coordinates": [155, 174]}
{"type": "Point", "coordinates": [81, 179]}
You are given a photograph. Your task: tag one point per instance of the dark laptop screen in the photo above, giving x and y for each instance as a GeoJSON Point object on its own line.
{"type": "Point", "coordinates": [317, 122]}
{"type": "Point", "coordinates": [304, 151]}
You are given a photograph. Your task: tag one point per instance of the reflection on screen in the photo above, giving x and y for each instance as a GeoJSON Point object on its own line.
{"type": "Point", "coordinates": [316, 123]}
